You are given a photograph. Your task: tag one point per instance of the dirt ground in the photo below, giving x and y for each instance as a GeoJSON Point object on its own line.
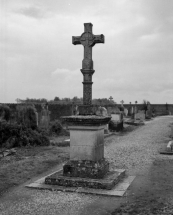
{"type": "Point", "coordinates": [152, 193]}
{"type": "Point", "coordinates": [29, 162]}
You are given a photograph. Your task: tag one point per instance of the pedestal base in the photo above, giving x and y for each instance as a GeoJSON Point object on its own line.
{"type": "Point", "coordinates": [108, 182]}
{"type": "Point", "coordinates": [86, 169]}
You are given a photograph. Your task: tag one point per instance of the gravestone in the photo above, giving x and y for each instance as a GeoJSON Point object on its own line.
{"type": "Point", "coordinates": [130, 110]}
{"type": "Point", "coordinates": [87, 160]}
{"type": "Point", "coordinates": [116, 123]}
{"type": "Point", "coordinates": [45, 118]}
{"type": "Point", "coordinates": [140, 115]}
{"type": "Point", "coordinates": [125, 112]}
{"type": "Point", "coordinates": [149, 111]}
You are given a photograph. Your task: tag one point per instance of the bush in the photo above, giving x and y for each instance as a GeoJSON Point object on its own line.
{"type": "Point", "coordinates": [5, 112]}
{"type": "Point", "coordinates": [26, 115]}
{"type": "Point", "coordinates": [14, 135]}
{"type": "Point", "coordinates": [55, 127]}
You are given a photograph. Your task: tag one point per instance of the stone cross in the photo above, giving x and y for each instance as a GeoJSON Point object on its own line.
{"type": "Point", "coordinates": [88, 40]}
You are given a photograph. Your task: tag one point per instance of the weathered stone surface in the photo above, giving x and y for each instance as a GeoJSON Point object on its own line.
{"type": "Point", "coordinates": [88, 40]}
{"type": "Point", "coordinates": [86, 142]}
{"type": "Point", "coordinates": [140, 115]}
{"type": "Point", "coordinates": [86, 169]}
{"type": "Point", "coordinates": [108, 182]}
{"type": "Point", "coordinates": [89, 120]}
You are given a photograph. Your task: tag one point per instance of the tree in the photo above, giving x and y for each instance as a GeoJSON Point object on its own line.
{"type": "Point", "coordinates": [56, 99]}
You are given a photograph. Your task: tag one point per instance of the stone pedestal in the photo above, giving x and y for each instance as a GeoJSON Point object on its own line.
{"type": "Point", "coordinates": [86, 147]}
{"type": "Point", "coordinates": [86, 151]}
{"type": "Point", "coordinates": [87, 166]}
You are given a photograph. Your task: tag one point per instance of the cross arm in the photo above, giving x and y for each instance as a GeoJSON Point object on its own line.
{"type": "Point", "coordinates": [99, 39]}
{"type": "Point", "coordinates": [76, 40]}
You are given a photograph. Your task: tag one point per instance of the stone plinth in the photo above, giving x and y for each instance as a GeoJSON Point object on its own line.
{"type": "Point", "coordinates": [86, 142]}
{"type": "Point", "coordinates": [86, 169]}
{"type": "Point", "coordinates": [86, 147]}
{"type": "Point", "coordinates": [108, 182]}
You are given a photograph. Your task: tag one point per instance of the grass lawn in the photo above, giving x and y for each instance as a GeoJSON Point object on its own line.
{"type": "Point", "coordinates": [29, 162]}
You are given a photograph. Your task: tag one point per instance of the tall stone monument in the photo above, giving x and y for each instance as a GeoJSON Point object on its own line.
{"type": "Point", "coordinates": [87, 166]}
{"type": "Point", "coordinates": [88, 40]}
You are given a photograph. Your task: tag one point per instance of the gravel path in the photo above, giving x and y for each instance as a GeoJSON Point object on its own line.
{"type": "Point", "coordinates": [134, 151]}
{"type": "Point", "coordinates": [137, 150]}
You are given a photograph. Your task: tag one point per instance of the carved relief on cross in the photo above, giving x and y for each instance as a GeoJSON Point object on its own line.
{"type": "Point", "coordinates": [88, 40]}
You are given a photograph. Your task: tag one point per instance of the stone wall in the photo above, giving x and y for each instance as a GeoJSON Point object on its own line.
{"type": "Point", "coordinates": [58, 110]}
{"type": "Point", "coordinates": [160, 109]}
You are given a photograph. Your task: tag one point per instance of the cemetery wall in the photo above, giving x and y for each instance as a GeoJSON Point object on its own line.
{"type": "Point", "coordinates": [160, 109]}
{"type": "Point", "coordinates": [58, 110]}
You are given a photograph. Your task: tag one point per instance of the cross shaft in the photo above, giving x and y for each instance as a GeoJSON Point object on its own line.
{"type": "Point", "coordinates": [88, 40]}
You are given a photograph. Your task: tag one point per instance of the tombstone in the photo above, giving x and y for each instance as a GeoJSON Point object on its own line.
{"type": "Point", "coordinates": [115, 110]}
{"type": "Point", "coordinates": [125, 112]}
{"type": "Point", "coordinates": [149, 111]}
{"type": "Point", "coordinates": [130, 110]}
{"type": "Point", "coordinates": [102, 111]}
{"type": "Point", "coordinates": [36, 116]}
{"type": "Point", "coordinates": [140, 115]}
{"type": "Point", "coordinates": [87, 160]}
{"type": "Point", "coordinates": [121, 106]}
{"type": "Point", "coordinates": [116, 123]}
{"type": "Point", "coordinates": [75, 110]}
{"type": "Point", "coordinates": [117, 117]}
{"type": "Point", "coordinates": [45, 119]}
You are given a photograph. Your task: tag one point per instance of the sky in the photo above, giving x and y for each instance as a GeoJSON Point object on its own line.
{"type": "Point", "coordinates": [38, 59]}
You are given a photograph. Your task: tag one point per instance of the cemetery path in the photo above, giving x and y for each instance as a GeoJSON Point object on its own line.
{"type": "Point", "coordinates": [135, 151]}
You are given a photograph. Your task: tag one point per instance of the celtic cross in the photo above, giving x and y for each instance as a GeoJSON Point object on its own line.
{"type": "Point", "coordinates": [88, 40]}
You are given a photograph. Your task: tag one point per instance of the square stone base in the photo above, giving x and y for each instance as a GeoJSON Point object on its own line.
{"type": "Point", "coordinates": [108, 182]}
{"type": "Point", "coordinates": [86, 169]}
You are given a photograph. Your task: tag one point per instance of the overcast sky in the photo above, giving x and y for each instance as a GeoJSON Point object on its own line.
{"type": "Point", "coordinates": [38, 59]}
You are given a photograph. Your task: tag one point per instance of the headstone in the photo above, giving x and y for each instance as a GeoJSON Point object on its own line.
{"type": "Point", "coordinates": [117, 117]}
{"type": "Point", "coordinates": [45, 118]}
{"type": "Point", "coordinates": [149, 111]}
{"type": "Point", "coordinates": [126, 112]}
{"type": "Point", "coordinates": [75, 110]}
{"type": "Point", "coordinates": [140, 115]}
{"type": "Point", "coordinates": [130, 110]}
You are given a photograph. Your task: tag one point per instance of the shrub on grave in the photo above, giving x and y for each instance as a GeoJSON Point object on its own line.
{"type": "Point", "coordinates": [16, 135]}
{"type": "Point", "coordinates": [55, 127]}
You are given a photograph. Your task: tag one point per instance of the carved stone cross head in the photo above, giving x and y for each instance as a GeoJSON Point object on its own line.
{"type": "Point", "coordinates": [88, 38]}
